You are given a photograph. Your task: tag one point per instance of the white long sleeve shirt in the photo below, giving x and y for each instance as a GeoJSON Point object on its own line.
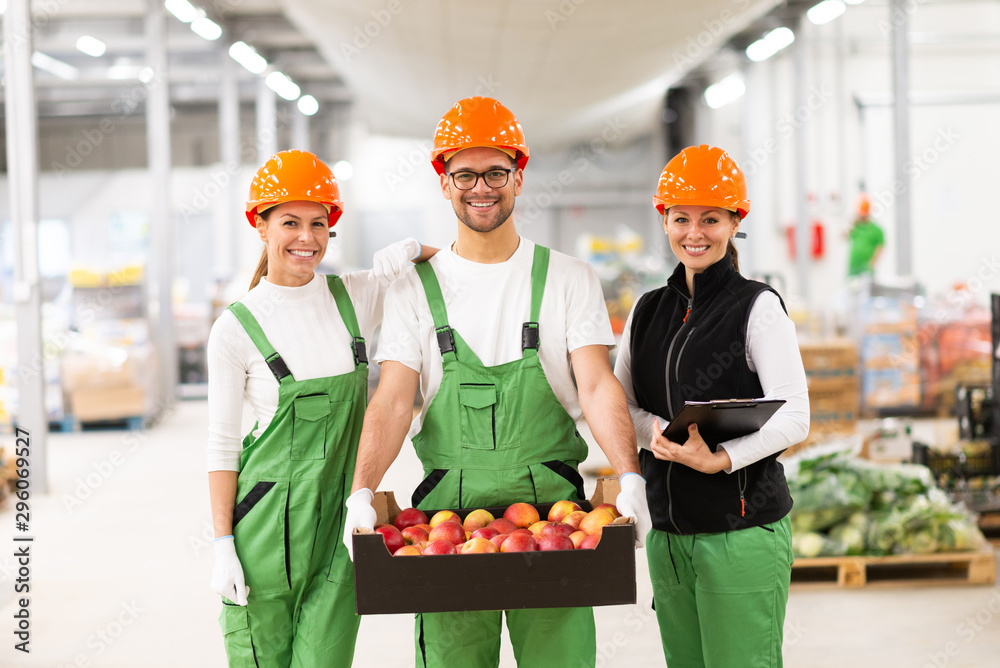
{"type": "Point", "coordinates": [305, 327]}
{"type": "Point", "coordinates": [772, 351]}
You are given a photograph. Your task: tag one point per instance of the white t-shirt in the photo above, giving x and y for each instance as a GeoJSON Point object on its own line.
{"type": "Point", "coordinates": [487, 304]}
{"type": "Point", "coordinates": [770, 345]}
{"type": "Point", "coordinates": [305, 327]}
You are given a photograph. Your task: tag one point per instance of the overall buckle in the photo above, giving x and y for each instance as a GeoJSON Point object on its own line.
{"type": "Point", "coordinates": [446, 340]}
{"type": "Point", "coordinates": [360, 353]}
{"type": "Point", "coordinates": [529, 335]}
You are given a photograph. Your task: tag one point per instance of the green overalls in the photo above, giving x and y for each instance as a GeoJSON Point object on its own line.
{"type": "Point", "coordinates": [493, 436]}
{"type": "Point", "coordinates": [289, 514]}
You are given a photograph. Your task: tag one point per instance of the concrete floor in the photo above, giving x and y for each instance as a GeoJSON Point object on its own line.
{"type": "Point", "coordinates": [121, 560]}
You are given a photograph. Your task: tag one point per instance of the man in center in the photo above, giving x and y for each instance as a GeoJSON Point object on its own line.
{"type": "Point", "coordinates": [493, 331]}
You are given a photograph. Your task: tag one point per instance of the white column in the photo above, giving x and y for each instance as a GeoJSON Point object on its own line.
{"type": "Point", "coordinates": [899, 19]}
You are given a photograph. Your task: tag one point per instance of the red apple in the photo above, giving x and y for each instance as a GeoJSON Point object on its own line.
{"type": "Point", "coordinates": [414, 534]}
{"type": "Point", "coordinates": [561, 509]}
{"type": "Point", "coordinates": [449, 531]}
{"type": "Point", "coordinates": [519, 543]}
{"type": "Point", "coordinates": [521, 514]}
{"type": "Point", "coordinates": [536, 528]}
{"type": "Point", "coordinates": [610, 507]}
{"type": "Point", "coordinates": [425, 526]}
{"type": "Point", "coordinates": [393, 538]}
{"type": "Point", "coordinates": [485, 532]}
{"type": "Point", "coordinates": [557, 529]}
{"type": "Point", "coordinates": [498, 539]}
{"type": "Point", "coordinates": [409, 517]}
{"type": "Point", "coordinates": [503, 525]}
{"type": "Point", "coordinates": [525, 532]}
{"type": "Point", "coordinates": [407, 551]}
{"type": "Point", "coordinates": [440, 547]}
{"type": "Point", "coordinates": [574, 518]}
{"type": "Point", "coordinates": [554, 542]}
{"type": "Point", "coordinates": [445, 516]}
{"type": "Point", "coordinates": [595, 520]}
{"type": "Point", "coordinates": [477, 519]}
{"type": "Point", "coordinates": [590, 541]}
{"type": "Point", "coordinates": [478, 546]}
{"type": "Point", "coordinates": [577, 538]}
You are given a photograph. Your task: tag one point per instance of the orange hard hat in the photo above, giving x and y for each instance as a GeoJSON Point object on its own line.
{"type": "Point", "coordinates": [474, 122]}
{"type": "Point", "coordinates": [703, 175]}
{"type": "Point", "coordinates": [290, 176]}
{"type": "Point", "coordinates": [864, 205]}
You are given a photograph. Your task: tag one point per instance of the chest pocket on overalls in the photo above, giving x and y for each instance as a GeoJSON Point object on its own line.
{"type": "Point", "coordinates": [309, 426]}
{"type": "Point", "coordinates": [479, 415]}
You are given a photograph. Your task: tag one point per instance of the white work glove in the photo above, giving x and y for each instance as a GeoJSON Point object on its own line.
{"type": "Point", "coordinates": [227, 573]}
{"type": "Point", "coordinates": [631, 502]}
{"type": "Point", "coordinates": [360, 514]}
{"type": "Point", "coordinates": [389, 262]}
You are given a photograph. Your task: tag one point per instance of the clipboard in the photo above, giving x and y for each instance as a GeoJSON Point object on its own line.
{"type": "Point", "coordinates": [723, 419]}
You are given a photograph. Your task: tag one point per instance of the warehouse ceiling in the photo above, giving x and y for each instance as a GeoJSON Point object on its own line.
{"type": "Point", "coordinates": [569, 69]}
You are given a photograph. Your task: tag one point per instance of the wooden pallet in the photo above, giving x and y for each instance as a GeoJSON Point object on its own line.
{"type": "Point", "coordinates": [956, 568]}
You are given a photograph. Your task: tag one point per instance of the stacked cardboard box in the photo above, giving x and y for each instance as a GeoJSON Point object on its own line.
{"type": "Point", "coordinates": [832, 375]}
{"type": "Point", "coordinates": [107, 387]}
{"type": "Point", "coordinates": [890, 355]}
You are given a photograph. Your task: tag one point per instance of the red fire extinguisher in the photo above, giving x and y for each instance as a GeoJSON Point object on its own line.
{"type": "Point", "coordinates": [815, 240]}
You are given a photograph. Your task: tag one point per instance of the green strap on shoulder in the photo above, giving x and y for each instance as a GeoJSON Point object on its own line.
{"type": "Point", "coordinates": [435, 300]}
{"type": "Point", "coordinates": [256, 334]}
{"type": "Point", "coordinates": [348, 315]}
{"type": "Point", "coordinates": [529, 331]}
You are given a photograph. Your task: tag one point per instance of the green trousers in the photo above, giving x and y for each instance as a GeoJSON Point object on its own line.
{"type": "Point", "coordinates": [542, 638]}
{"type": "Point", "coordinates": [720, 597]}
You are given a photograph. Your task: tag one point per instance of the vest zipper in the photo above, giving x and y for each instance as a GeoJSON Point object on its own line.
{"type": "Point", "coordinates": [670, 350]}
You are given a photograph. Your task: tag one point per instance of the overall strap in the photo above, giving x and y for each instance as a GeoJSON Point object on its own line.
{"type": "Point", "coordinates": [529, 331]}
{"type": "Point", "coordinates": [445, 338]}
{"type": "Point", "coordinates": [347, 314]}
{"type": "Point", "coordinates": [256, 334]}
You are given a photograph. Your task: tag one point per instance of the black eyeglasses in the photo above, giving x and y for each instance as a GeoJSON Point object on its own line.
{"type": "Point", "coordinates": [467, 180]}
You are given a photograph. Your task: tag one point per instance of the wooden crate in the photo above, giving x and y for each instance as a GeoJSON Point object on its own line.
{"type": "Point", "coordinates": [917, 570]}
{"type": "Point", "coordinates": [829, 354]}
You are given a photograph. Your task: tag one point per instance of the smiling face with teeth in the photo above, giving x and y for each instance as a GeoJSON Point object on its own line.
{"type": "Point", "coordinates": [482, 209]}
{"type": "Point", "coordinates": [296, 234]}
{"type": "Point", "coordinates": [699, 236]}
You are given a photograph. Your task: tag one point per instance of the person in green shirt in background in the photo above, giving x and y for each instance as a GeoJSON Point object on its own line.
{"type": "Point", "coordinates": [866, 241]}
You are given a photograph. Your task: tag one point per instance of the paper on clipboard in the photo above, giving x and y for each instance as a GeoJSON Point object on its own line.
{"type": "Point", "coordinates": [723, 419]}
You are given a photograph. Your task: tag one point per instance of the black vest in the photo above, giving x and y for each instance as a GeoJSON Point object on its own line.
{"type": "Point", "coordinates": [700, 355]}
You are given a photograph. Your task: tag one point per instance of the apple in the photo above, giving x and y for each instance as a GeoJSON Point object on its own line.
{"type": "Point", "coordinates": [521, 514]}
{"type": "Point", "coordinates": [503, 525]}
{"type": "Point", "coordinates": [590, 542]}
{"type": "Point", "coordinates": [425, 526]}
{"type": "Point", "coordinates": [577, 538]}
{"type": "Point", "coordinates": [611, 507]}
{"type": "Point", "coordinates": [519, 543]}
{"type": "Point", "coordinates": [574, 518]}
{"type": "Point", "coordinates": [553, 542]}
{"type": "Point", "coordinates": [557, 529]}
{"type": "Point", "coordinates": [449, 531]}
{"type": "Point", "coordinates": [409, 517]}
{"type": "Point", "coordinates": [561, 509]}
{"type": "Point", "coordinates": [478, 546]}
{"type": "Point", "coordinates": [477, 519]}
{"type": "Point", "coordinates": [392, 537]}
{"type": "Point", "coordinates": [440, 547]}
{"type": "Point", "coordinates": [485, 532]}
{"type": "Point", "coordinates": [407, 551]}
{"type": "Point", "coordinates": [498, 539]}
{"type": "Point", "coordinates": [536, 528]}
{"type": "Point", "coordinates": [526, 532]}
{"type": "Point", "coordinates": [445, 516]}
{"type": "Point", "coordinates": [414, 534]}
{"type": "Point", "coordinates": [595, 520]}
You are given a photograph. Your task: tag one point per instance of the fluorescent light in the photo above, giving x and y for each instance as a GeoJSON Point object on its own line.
{"type": "Point", "coordinates": [343, 170]}
{"type": "Point", "coordinates": [770, 44]}
{"type": "Point", "coordinates": [91, 46]}
{"type": "Point", "coordinates": [3, 6]}
{"type": "Point", "coordinates": [146, 74]}
{"type": "Point", "coordinates": [725, 91]}
{"type": "Point", "coordinates": [308, 105]}
{"type": "Point", "coordinates": [244, 54]}
{"type": "Point", "coordinates": [207, 28]}
{"type": "Point", "coordinates": [53, 66]}
{"type": "Point", "coordinates": [282, 85]}
{"type": "Point", "coordinates": [121, 71]}
{"type": "Point", "coordinates": [854, 2]}
{"type": "Point", "coordinates": [182, 9]}
{"type": "Point", "coordinates": [825, 11]}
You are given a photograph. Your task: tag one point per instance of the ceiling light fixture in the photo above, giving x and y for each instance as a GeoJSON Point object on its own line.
{"type": "Point", "coordinates": [52, 66]}
{"type": "Point", "coordinates": [282, 85]}
{"type": "Point", "coordinates": [207, 28]}
{"type": "Point", "coordinates": [308, 105]}
{"type": "Point", "coordinates": [91, 46]}
{"type": "Point", "coordinates": [245, 55]}
{"type": "Point", "coordinates": [770, 44]}
{"type": "Point", "coordinates": [182, 9]}
{"type": "Point", "coordinates": [725, 91]}
{"type": "Point", "coordinates": [825, 11]}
